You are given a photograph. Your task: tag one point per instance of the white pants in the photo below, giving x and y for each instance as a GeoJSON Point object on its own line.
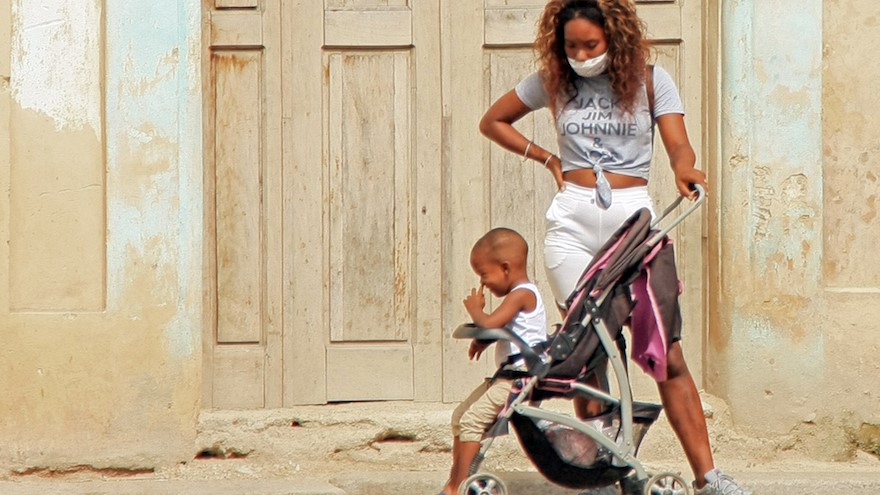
{"type": "Point", "coordinates": [577, 228]}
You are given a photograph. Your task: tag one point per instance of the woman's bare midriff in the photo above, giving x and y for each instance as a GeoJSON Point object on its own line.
{"type": "Point", "coordinates": [585, 177]}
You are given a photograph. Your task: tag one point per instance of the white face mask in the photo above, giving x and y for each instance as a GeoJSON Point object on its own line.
{"type": "Point", "coordinates": [590, 67]}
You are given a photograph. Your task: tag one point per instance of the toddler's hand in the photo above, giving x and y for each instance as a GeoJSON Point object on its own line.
{"type": "Point", "coordinates": [475, 302]}
{"type": "Point", "coordinates": [476, 349]}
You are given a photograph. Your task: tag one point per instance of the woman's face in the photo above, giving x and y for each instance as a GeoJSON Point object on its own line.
{"type": "Point", "coordinates": [584, 39]}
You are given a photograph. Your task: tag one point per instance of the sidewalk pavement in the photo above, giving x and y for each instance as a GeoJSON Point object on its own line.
{"type": "Point", "coordinates": [388, 483]}
{"type": "Point", "coordinates": [403, 448]}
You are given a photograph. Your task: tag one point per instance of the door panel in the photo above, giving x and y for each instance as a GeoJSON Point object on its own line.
{"type": "Point", "coordinates": [361, 136]}
{"type": "Point", "coordinates": [233, 4]}
{"type": "Point", "coordinates": [381, 371]}
{"type": "Point", "coordinates": [379, 28]}
{"type": "Point", "coordinates": [238, 205]}
{"type": "Point", "coordinates": [368, 115]}
{"type": "Point", "coordinates": [242, 197]}
{"type": "Point", "coordinates": [369, 152]}
{"type": "Point", "coordinates": [370, 288]}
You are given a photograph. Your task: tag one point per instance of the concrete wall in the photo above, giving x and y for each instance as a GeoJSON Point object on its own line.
{"type": "Point", "coordinates": [794, 341]}
{"type": "Point", "coordinates": [100, 306]}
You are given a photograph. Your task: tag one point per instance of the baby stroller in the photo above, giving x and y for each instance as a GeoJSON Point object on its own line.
{"type": "Point", "coordinates": [599, 451]}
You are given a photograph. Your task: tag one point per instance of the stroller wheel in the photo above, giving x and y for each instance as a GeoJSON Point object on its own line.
{"type": "Point", "coordinates": [665, 484]}
{"type": "Point", "coordinates": [482, 484]}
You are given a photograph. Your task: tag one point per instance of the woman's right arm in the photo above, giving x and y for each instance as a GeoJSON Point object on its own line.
{"type": "Point", "coordinates": [497, 125]}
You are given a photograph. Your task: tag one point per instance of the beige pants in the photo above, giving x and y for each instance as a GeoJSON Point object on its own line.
{"type": "Point", "coordinates": [474, 415]}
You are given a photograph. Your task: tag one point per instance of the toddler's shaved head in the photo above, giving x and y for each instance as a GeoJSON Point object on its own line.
{"type": "Point", "coordinates": [502, 244]}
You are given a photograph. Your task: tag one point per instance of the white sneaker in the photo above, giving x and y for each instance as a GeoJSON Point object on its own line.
{"type": "Point", "coordinates": [718, 483]}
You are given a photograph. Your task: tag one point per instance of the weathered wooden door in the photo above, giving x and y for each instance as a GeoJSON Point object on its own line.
{"type": "Point", "coordinates": [489, 49]}
{"type": "Point", "coordinates": [346, 168]}
{"type": "Point", "coordinates": [362, 199]}
{"type": "Point", "coordinates": [323, 186]}
{"type": "Point", "coordinates": [243, 210]}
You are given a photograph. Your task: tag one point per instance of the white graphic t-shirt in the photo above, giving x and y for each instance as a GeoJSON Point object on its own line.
{"type": "Point", "coordinates": [595, 132]}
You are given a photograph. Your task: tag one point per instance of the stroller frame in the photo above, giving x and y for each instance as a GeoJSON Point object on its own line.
{"type": "Point", "coordinates": [538, 364]}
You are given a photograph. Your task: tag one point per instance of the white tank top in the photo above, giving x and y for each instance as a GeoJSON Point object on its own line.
{"type": "Point", "coordinates": [530, 326]}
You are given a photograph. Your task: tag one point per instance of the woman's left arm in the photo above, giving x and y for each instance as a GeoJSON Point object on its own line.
{"type": "Point", "coordinates": [681, 155]}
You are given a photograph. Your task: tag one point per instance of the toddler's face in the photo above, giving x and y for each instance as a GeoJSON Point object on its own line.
{"type": "Point", "coordinates": [493, 275]}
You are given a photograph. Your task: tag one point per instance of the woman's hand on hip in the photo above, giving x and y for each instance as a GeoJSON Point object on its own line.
{"type": "Point", "coordinates": [554, 165]}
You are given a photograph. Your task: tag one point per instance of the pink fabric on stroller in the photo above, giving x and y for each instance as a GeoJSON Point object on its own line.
{"type": "Point", "coordinates": [649, 273]}
{"type": "Point", "coordinates": [656, 319]}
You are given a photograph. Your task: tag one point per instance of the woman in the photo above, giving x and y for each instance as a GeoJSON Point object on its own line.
{"type": "Point", "coordinates": [593, 70]}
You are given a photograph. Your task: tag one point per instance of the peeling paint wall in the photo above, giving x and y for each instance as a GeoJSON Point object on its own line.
{"type": "Point", "coordinates": [100, 317]}
{"type": "Point", "coordinates": [57, 211]}
{"type": "Point", "coordinates": [797, 343]}
{"type": "Point", "coordinates": [101, 157]}
{"type": "Point", "coordinates": [850, 271]}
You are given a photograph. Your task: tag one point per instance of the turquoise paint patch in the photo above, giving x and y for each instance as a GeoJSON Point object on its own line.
{"type": "Point", "coordinates": [187, 338]}
{"type": "Point", "coordinates": [143, 54]}
{"type": "Point", "coordinates": [788, 55]}
{"type": "Point", "coordinates": [772, 97]}
{"type": "Point", "coordinates": [154, 114]}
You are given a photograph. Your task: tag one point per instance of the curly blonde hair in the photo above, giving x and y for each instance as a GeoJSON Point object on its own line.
{"type": "Point", "coordinates": [628, 49]}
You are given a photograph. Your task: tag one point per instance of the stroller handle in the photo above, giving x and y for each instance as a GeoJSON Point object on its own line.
{"type": "Point", "coordinates": [537, 364]}
{"type": "Point", "coordinates": [701, 197]}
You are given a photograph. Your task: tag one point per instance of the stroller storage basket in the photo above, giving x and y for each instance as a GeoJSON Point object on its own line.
{"type": "Point", "coordinates": [569, 457]}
